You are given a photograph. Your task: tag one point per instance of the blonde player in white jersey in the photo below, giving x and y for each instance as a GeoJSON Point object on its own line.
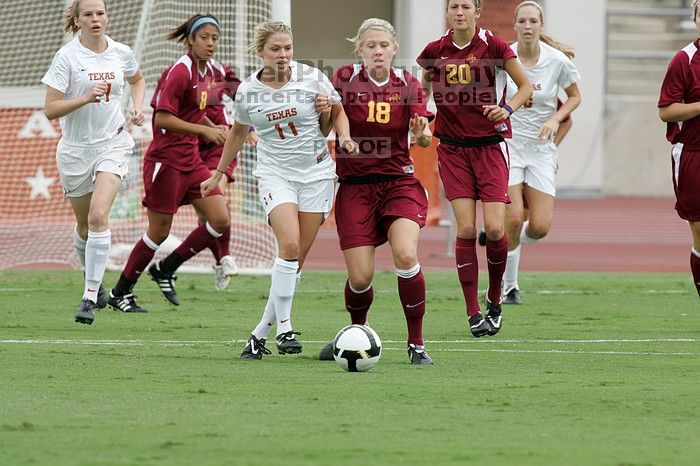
{"type": "Point", "coordinates": [533, 152]}
{"type": "Point", "coordinates": [291, 106]}
{"type": "Point", "coordinates": [85, 84]}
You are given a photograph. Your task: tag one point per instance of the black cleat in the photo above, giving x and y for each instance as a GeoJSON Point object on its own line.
{"type": "Point", "coordinates": [479, 326]}
{"type": "Point", "coordinates": [417, 355]}
{"type": "Point", "coordinates": [482, 238]}
{"type": "Point", "coordinates": [493, 316]}
{"type": "Point", "coordinates": [125, 303]}
{"type": "Point", "coordinates": [512, 296]}
{"type": "Point", "coordinates": [288, 344]}
{"type": "Point", "coordinates": [165, 282]}
{"type": "Point", "coordinates": [102, 298]}
{"type": "Point", "coordinates": [86, 312]}
{"type": "Point", "coordinates": [326, 353]}
{"type": "Point", "coordinates": [254, 348]}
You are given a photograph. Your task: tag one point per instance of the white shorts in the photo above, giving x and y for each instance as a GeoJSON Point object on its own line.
{"type": "Point", "coordinates": [79, 163]}
{"type": "Point", "coordinates": [315, 196]}
{"type": "Point", "coordinates": [533, 163]}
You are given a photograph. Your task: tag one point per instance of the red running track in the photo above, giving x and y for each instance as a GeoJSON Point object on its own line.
{"type": "Point", "coordinates": [623, 235]}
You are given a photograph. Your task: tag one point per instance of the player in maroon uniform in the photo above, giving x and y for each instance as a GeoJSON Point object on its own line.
{"type": "Point", "coordinates": [679, 107]}
{"type": "Point", "coordinates": [379, 199]}
{"type": "Point", "coordinates": [173, 170]}
{"type": "Point", "coordinates": [463, 70]}
{"type": "Point", "coordinates": [226, 82]}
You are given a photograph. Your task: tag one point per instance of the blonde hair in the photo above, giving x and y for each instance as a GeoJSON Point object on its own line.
{"type": "Point", "coordinates": [369, 24]}
{"type": "Point", "coordinates": [547, 39]}
{"type": "Point", "coordinates": [695, 9]}
{"type": "Point", "coordinates": [71, 13]}
{"type": "Point", "coordinates": [264, 31]}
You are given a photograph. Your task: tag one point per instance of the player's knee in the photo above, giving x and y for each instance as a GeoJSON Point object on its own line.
{"type": "Point", "coordinates": [494, 232]}
{"type": "Point", "coordinates": [98, 219]}
{"type": "Point", "coordinates": [404, 260]}
{"type": "Point", "coordinates": [514, 219]}
{"type": "Point", "coordinates": [220, 224]}
{"type": "Point", "coordinates": [289, 247]}
{"type": "Point", "coordinates": [360, 282]}
{"type": "Point", "coordinates": [466, 231]}
{"type": "Point", "coordinates": [538, 230]}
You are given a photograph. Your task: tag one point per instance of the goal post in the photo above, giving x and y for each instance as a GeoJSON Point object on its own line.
{"type": "Point", "coordinates": [36, 223]}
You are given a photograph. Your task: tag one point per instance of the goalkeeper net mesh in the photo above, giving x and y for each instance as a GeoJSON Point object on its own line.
{"type": "Point", "coordinates": [36, 223]}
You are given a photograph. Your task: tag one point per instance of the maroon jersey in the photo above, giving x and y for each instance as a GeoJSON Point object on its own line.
{"type": "Point", "coordinates": [184, 92]}
{"type": "Point", "coordinates": [224, 82]}
{"type": "Point", "coordinates": [682, 85]}
{"type": "Point", "coordinates": [379, 118]}
{"type": "Point", "coordinates": [464, 80]}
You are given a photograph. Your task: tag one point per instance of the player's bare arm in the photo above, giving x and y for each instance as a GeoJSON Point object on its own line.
{"type": "Point", "coordinates": [496, 113]}
{"type": "Point", "coordinates": [324, 108]}
{"type": "Point", "coordinates": [679, 112]}
{"type": "Point", "coordinates": [420, 130]}
{"type": "Point", "coordinates": [427, 84]}
{"type": "Point", "coordinates": [169, 122]}
{"type": "Point", "coordinates": [137, 84]}
{"type": "Point", "coordinates": [56, 105]}
{"type": "Point", "coordinates": [550, 127]}
{"type": "Point", "coordinates": [342, 127]}
{"type": "Point", "coordinates": [234, 143]}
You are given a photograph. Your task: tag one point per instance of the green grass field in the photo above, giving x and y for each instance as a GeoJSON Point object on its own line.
{"type": "Point", "coordinates": [594, 369]}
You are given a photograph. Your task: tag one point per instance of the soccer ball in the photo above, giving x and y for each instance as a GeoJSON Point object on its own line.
{"type": "Point", "coordinates": [357, 348]}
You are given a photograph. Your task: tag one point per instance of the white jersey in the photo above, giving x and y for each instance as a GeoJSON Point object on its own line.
{"type": "Point", "coordinates": [553, 71]}
{"type": "Point", "coordinates": [291, 144]}
{"type": "Point", "coordinates": [74, 71]}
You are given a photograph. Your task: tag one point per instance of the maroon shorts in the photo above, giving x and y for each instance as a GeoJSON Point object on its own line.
{"type": "Point", "coordinates": [167, 188]}
{"type": "Point", "coordinates": [685, 164]}
{"type": "Point", "coordinates": [475, 172]}
{"type": "Point", "coordinates": [364, 212]}
{"type": "Point", "coordinates": [211, 158]}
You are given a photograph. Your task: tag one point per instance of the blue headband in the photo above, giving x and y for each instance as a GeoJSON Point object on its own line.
{"type": "Point", "coordinates": [201, 22]}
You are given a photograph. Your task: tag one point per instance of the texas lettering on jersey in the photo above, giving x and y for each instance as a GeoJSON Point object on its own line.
{"type": "Point", "coordinates": [109, 75]}
{"type": "Point", "coordinates": [279, 115]}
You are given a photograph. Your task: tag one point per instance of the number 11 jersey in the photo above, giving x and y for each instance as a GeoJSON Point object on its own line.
{"type": "Point", "coordinates": [291, 144]}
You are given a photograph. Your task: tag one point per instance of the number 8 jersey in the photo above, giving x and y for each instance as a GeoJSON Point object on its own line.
{"type": "Point", "coordinates": [290, 143]}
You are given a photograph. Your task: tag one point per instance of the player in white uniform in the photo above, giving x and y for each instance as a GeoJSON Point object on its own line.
{"type": "Point", "coordinates": [291, 106]}
{"type": "Point", "coordinates": [85, 84]}
{"type": "Point", "coordinates": [533, 152]}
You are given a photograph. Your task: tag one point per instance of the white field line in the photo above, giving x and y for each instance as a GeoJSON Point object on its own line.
{"type": "Point", "coordinates": [190, 343]}
{"type": "Point", "coordinates": [302, 290]}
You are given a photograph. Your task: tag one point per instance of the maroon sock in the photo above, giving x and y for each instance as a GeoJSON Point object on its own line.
{"type": "Point", "coordinates": [412, 296]}
{"type": "Point", "coordinates": [695, 268]}
{"type": "Point", "coordinates": [468, 272]}
{"type": "Point", "coordinates": [215, 251]}
{"type": "Point", "coordinates": [138, 260]}
{"type": "Point", "coordinates": [496, 257]}
{"type": "Point", "coordinates": [357, 304]}
{"type": "Point", "coordinates": [224, 243]}
{"type": "Point", "coordinates": [197, 241]}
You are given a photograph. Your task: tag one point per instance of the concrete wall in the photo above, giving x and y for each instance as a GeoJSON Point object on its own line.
{"type": "Point", "coordinates": [581, 24]}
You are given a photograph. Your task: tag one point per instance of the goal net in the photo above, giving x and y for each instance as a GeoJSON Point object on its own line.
{"type": "Point", "coordinates": [36, 223]}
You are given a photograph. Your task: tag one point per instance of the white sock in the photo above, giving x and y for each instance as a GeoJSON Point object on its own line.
{"type": "Point", "coordinates": [524, 239]}
{"type": "Point", "coordinates": [407, 273]}
{"type": "Point", "coordinates": [79, 244]}
{"type": "Point", "coordinates": [510, 277]}
{"type": "Point", "coordinates": [96, 256]}
{"type": "Point", "coordinates": [298, 282]}
{"type": "Point", "coordinates": [284, 279]}
{"type": "Point", "coordinates": [268, 318]}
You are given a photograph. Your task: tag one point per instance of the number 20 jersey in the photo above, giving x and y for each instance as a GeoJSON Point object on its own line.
{"type": "Point", "coordinates": [465, 79]}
